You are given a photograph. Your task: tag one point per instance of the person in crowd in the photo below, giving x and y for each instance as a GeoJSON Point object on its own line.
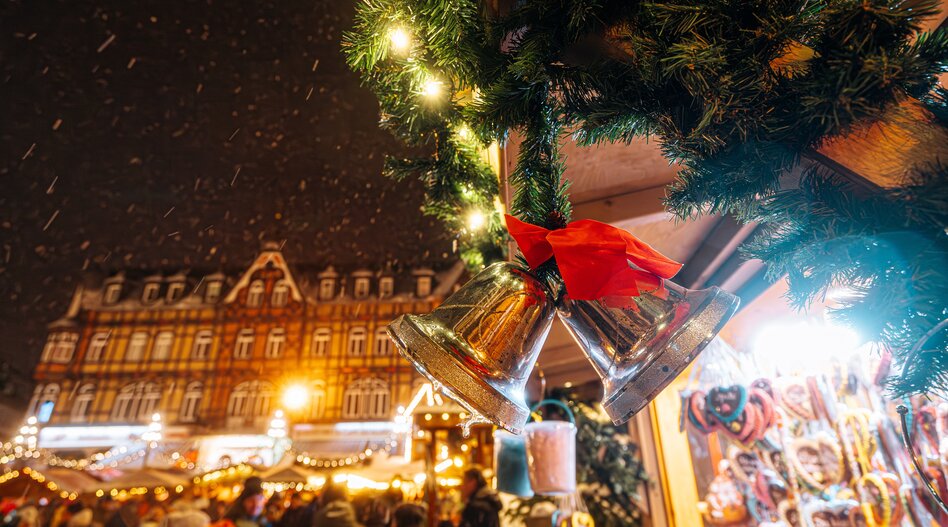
{"type": "Point", "coordinates": [79, 515]}
{"type": "Point", "coordinates": [29, 515]}
{"type": "Point", "coordinates": [126, 516]}
{"type": "Point", "coordinates": [408, 515]}
{"type": "Point", "coordinates": [247, 509]}
{"type": "Point", "coordinates": [103, 511]}
{"type": "Point", "coordinates": [296, 513]}
{"type": "Point", "coordinates": [182, 513]}
{"type": "Point", "coordinates": [481, 504]}
{"type": "Point", "coordinates": [335, 509]}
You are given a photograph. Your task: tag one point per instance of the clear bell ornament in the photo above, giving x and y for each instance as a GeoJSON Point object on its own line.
{"type": "Point", "coordinates": [639, 348]}
{"type": "Point", "coordinates": [481, 344]}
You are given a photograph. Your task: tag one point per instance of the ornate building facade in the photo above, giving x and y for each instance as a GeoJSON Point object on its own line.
{"type": "Point", "coordinates": [216, 353]}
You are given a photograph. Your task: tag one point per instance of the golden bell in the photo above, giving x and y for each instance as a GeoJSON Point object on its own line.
{"type": "Point", "coordinates": [639, 348]}
{"type": "Point", "coordinates": [480, 345]}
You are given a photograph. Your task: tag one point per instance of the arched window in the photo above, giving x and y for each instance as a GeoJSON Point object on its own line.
{"type": "Point", "coordinates": [243, 349]}
{"type": "Point", "coordinates": [44, 401]}
{"type": "Point", "coordinates": [250, 399]}
{"type": "Point", "coordinates": [175, 291]}
{"type": "Point", "coordinates": [162, 348]}
{"type": "Point", "coordinates": [97, 347]}
{"type": "Point", "coordinates": [82, 402]}
{"type": "Point", "coordinates": [281, 293]}
{"type": "Point", "coordinates": [203, 341]}
{"type": "Point", "coordinates": [113, 292]}
{"type": "Point", "coordinates": [361, 289]}
{"type": "Point", "coordinates": [60, 347]}
{"type": "Point", "coordinates": [366, 399]}
{"type": "Point", "coordinates": [275, 340]}
{"type": "Point", "coordinates": [255, 294]}
{"type": "Point", "coordinates": [357, 338]}
{"type": "Point", "coordinates": [322, 338]}
{"type": "Point", "coordinates": [151, 292]}
{"type": "Point", "coordinates": [135, 351]}
{"type": "Point", "coordinates": [386, 286]}
{"type": "Point", "coordinates": [191, 403]}
{"type": "Point", "coordinates": [383, 344]}
{"type": "Point", "coordinates": [327, 289]}
{"type": "Point", "coordinates": [136, 402]}
{"type": "Point", "coordinates": [317, 400]}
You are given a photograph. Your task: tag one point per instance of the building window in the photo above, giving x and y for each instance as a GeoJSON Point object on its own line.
{"type": "Point", "coordinates": [327, 289]}
{"type": "Point", "coordinates": [386, 287]}
{"type": "Point", "coordinates": [317, 400]}
{"type": "Point", "coordinates": [60, 347]}
{"type": "Point", "coordinates": [361, 287]}
{"type": "Point", "coordinates": [383, 344]}
{"type": "Point", "coordinates": [175, 291]}
{"type": "Point", "coordinates": [97, 347]}
{"type": "Point", "coordinates": [135, 352]}
{"type": "Point", "coordinates": [275, 341]}
{"type": "Point", "coordinates": [322, 338]}
{"type": "Point", "coordinates": [244, 347]}
{"type": "Point", "coordinates": [162, 348]}
{"type": "Point", "coordinates": [82, 402]}
{"type": "Point", "coordinates": [366, 399]}
{"type": "Point", "coordinates": [202, 345]}
{"type": "Point", "coordinates": [357, 338]}
{"type": "Point", "coordinates": [255, 294]}
{"type": "Point", "coordinates": [250, 399]}
{"type": "Point", "coordinates": [281, 293]}
{"type": "Point", "coordinates": [191, 403]}
{"type": "Point", "coordinates": [136, 402]}
{"type": "Point", "coordinates": [151, 292]}
{"type": "Point", "coordinates": [423, 286]}
{"type": "Point", "coordinates": [113, 292]}
{"type": "Point", "coordinates": [44, 401]}
{"type": "Point", "coordinates": [213, 291]}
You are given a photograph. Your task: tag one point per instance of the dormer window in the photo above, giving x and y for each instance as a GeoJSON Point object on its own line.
{"type": "Point", "coordinates": [151, 292]}
{"type": "Point", "coordinates": [255, 294]}
{"type": "Point", "coordinates": [327, 289]}
{"type": "Point", "coordinates": [386, 287]}
{"type": "Point", "coordinates": [113, 292]}
{"type": "Point", "coordinates": [361, 289]}
{"type": "Point", "coordinates": [281, 293]}
{"type": "Point", "coordinates": [423, 287]}
{"type": "Point", "coordinates": [175, 291]}
{"type": "Point", "coordinates": [213, 291]}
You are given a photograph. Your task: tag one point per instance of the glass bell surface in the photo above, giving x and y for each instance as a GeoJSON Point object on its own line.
{"type": "Point", "coordinates": [480, 345]}
{"type": "Point", "coordinates": [638, 349]}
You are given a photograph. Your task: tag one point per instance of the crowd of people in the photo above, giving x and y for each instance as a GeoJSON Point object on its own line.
{"type": "Point", "coordinates": [331, 507]}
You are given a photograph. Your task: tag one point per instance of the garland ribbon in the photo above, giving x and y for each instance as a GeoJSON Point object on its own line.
{"type": "Point", "coordinates": [594, 257]}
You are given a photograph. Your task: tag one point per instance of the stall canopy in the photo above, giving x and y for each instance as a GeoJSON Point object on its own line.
{"type": "Point", "coordinates": [149, 478]}
{"type": "Point", "coordinates": [287, 471]}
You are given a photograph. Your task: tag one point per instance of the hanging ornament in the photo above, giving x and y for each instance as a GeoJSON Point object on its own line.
{"type": "Point", "coordinates": [551, 453]}
{"type": "Point", "coordinates": [638, 329]}
{"type": "Point", "coordinates": [510, 462]}
{"type": "Point", "coordinates": [480, 345]}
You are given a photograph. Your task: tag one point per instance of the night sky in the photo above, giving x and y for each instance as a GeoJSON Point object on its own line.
{"type": "Point", "coordinates": [174, 134]}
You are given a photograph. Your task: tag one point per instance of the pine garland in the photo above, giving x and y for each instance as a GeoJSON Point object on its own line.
{"type": "Point", "coordinates": [737, 93]}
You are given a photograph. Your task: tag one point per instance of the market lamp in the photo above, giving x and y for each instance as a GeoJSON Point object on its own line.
{"type": "Point", "coordinates": [295, 397]}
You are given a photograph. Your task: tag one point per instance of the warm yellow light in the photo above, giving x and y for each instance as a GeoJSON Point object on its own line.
{"type": "Point", "coordinates": [399, 39]}
{"type": "Point", "coordinates": [432, 88]}
{"type": "Point", "coordinates": [464, 132]}
{"type": "Point", "coordinates": [295, 396]}
{"type": "Point", "coordinates": [475, 220]}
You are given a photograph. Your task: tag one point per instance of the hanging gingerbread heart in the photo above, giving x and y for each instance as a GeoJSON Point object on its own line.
{"type": "Point", "coordinates": [698, 416]}
{"type": "Point", "coordinates": [795, 398]}
{"type": "Point", "coordinates": [726, 403]}
{"type": "Point", "coordinates": [744, 427]}
{"type": "Point", "coordinates": [770, 488]}
{"type": "Point", "coordinates": [767, 387]}
{"type": "Point", "coordinates": [818, 462]}
{"type": "Point", "coordinates": [836, 513]}
{"type": "Point", "coordinates": [789, 514]}
{"type": "Point", "coordinates": [765, 403]}
{"type": "Point", "coordinates": [744, 464]}
{"type": "Point", "coordinates": [775, 460]}
{"type": "Point", "coordinates": [879, 505]}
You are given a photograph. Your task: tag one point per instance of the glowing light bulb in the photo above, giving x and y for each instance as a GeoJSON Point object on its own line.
{"type": "Point", "coordinates": [475, 220]}
{"type": "Point", "coordinates": [432, 88]}
{"type": "Point", "coordinates": [399, 39]}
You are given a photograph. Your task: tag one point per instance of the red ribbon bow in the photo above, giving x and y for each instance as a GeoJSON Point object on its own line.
{"type": "Point", "coordinates": [593, 258]}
